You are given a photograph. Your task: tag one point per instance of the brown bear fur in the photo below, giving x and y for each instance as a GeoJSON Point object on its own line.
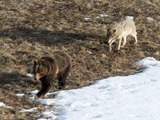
{"type": "Point", "coordinates": [47, 69]}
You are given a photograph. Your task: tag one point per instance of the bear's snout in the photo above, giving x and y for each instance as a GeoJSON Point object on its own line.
{"type": "Point", "coordinates": [37, 76]}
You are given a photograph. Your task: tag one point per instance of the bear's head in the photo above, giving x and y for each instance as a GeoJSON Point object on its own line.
{"type": "Point", "coordinates": [42, 67]}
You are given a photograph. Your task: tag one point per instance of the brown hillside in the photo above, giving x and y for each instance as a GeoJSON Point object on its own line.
{"type": "Point", "coordinates": [34, 28]}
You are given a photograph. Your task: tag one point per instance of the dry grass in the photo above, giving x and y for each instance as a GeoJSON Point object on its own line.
{"type": "Point", "coordinates": [32, 28]}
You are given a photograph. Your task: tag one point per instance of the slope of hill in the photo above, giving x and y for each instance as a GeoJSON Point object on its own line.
{"type": "Point", "coordinates": [33, 28]}
{"type": "Point", "coordinates": [133, 97]}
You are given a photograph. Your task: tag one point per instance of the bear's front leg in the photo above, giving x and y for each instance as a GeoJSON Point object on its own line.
{"type": "Point", "coordinates": [46, 85]}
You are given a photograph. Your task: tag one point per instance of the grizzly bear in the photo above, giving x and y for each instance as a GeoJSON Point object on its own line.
{"type": "Point", "coordinates": [47, 69]}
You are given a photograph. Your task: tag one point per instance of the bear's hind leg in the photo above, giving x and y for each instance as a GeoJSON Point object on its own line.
{"type": "Point", "coordinates": [61, 80]}
{"type": "Point", "coordinates": [62, 76]}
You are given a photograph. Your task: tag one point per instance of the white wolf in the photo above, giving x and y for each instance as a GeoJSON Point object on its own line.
{"type": "Point", "coordinates": [121, 30]}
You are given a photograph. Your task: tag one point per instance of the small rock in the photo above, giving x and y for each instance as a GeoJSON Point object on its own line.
{"type": "Point", "coordinates": [104, 56]}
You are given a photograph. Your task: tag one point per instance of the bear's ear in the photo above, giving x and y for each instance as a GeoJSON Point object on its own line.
{"type": "Point", "coordinates": [108, 29]}
{"type": "Point", "coordinates": [35, 62]}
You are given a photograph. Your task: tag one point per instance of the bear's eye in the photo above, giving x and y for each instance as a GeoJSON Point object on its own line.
{"type": "Point", "coordinates": [43, 64]}
{"type": "Point", "coordinates": [41, 69]}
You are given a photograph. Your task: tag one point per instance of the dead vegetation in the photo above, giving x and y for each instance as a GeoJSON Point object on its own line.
{"type": "Point", "coordinates": [32, 28]}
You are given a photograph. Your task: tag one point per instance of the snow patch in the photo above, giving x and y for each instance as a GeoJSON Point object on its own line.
{"type": "Point", "coordinates": [48, 114]}
{"type": "Point", "coordinates": [30, 75]}
{"type": "Point", "coordinates": [129, 17]}
{"type": "Point", "coordinates": [87, 19]}
{"type": "Point", "coordinates": [102, 15]}
{"type": "Point", "coordinates": [29, 110]}
{"type": "Point", "coordinates": [46, 101]}
{"type": "Point", "coordinates": [150, 19]}
{"type": "Point", "coordinates": [42, 119]}
{"type": "Point", "coordinates": [133, 97]}
{"type": "Point", "coordinates": [34, 92]}
{"type": "Point", "coordinates": [20, 94]}
{"type": "Point", "coordinates": [2, 104]}
{"type": "Point", "coordinates": [148, 62]}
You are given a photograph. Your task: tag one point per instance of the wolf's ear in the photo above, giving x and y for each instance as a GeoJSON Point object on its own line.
{"type": "Point", "coordinates": [114, 30]}
{"type": "Point", "coordinates": [108, 31]}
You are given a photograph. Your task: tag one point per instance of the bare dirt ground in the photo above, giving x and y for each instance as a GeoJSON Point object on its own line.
{"type": "Point", "coordinates": [33, 28]}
